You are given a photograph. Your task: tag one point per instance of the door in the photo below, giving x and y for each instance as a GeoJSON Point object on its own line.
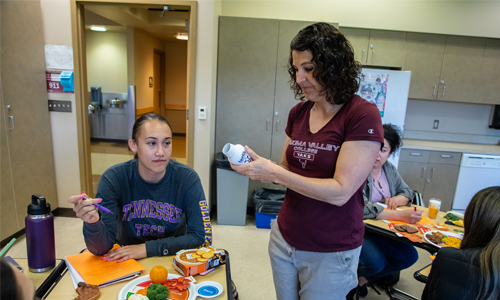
{"type": "Point", "coordinates": [424, 58]}
{"type": "Point", "coordinates": [359, 39]}
{"type": "Point", "coordinates": [387, 48]}
{"type": "Point", "coordinates": [414, 174]}
{"type": "Point", "coordinates": [245, 83]}
{"type": "Point", "coordinates": [284, 98]}
{"type": "Point", "coordinates": [463, 58]}
{"type": "Point", "coordinates": [28, 137]}
{"type": "Point", "coordinates": [488, 87]}
{"type": "Point", "coordinates": [158, 80]}
{"type": "Point", "coordinates": [441, 183]}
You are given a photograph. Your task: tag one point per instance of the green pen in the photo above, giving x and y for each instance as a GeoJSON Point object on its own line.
{"type": "Point", "coordinates": [7, 247]}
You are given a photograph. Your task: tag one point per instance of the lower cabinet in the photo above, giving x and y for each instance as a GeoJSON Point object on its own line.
{"type": "Point", "coordinates": [434, 174]}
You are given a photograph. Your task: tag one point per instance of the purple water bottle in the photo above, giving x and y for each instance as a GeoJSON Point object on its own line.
{"type": "Point", "coordinates": [40, 239]}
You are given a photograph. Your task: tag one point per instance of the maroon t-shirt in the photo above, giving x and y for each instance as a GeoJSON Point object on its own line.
{"type": "Point", "coordinates": [313, 225]}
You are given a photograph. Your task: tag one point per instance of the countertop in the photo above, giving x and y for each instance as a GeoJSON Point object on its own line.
{"type": "Point", "coordinates": [451, 146]}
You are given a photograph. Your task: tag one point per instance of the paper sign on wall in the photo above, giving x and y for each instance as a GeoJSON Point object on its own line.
{"type": "Point", "coordinates": [54, 82]}
{"type": "Point", "coordinates": [59, 57]}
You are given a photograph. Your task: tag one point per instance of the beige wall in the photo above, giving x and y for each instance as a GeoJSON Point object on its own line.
{"type": "Point", "coordinates": [144, 46]}
{"type": "Point", "coordinates": [176, 84]}
{"type": "Point", "coordinates": [107, 60]}
{"type": "Point", "coordinates": [56, 18]}
{"type": "Point", "coordinates": [474, 18]}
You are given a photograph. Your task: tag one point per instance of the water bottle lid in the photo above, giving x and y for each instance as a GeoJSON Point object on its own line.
{"type": "Point", "coordinates": [38, 205]}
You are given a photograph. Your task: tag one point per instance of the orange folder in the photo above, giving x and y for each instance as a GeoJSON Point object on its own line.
{"type": "Point", "coordinates": [97, 271]}
{"type": "Point", "coordinates": [424, 221]}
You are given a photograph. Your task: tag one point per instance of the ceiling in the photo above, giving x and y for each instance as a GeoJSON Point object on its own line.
{"type": "Point", "coordinates": [145, 17]}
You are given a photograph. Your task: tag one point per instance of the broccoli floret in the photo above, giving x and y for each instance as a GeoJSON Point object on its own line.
{"type": "Point", "coordinates": [157, 292]}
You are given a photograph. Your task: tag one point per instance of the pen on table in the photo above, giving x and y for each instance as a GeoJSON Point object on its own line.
{"type": "Point", "coordinates": [7, 247]}
{"type": "Point", "coordinates": [98, 206]}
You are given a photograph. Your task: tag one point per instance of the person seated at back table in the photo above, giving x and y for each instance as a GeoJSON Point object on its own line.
{"type": "Point", "coordinates": [473, 271]}
{"type": "Point", "coordinates": [152, 199]}
{"type": "Point", "coordinates": [382, 256]}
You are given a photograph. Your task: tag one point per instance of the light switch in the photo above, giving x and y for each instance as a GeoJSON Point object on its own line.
{"type": "Point", "coordinates": [202, 112]}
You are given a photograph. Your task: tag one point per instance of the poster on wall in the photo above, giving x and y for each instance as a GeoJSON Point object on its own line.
{"type": "Point", "coordinates": [373, 88]}
{"type": "Point", "coordinates": [54, 85]}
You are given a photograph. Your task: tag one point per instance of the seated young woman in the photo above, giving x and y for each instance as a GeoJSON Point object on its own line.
{"type": "Point", "coordinates": [473, 271]}
{"type": "Point", "coordinates": [158, 205]}
{"type": "Point", "coordinates": [382, 256]}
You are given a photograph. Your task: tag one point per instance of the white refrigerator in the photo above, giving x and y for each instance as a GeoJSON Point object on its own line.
{"type": "Point", "coordinates": [389, 91]}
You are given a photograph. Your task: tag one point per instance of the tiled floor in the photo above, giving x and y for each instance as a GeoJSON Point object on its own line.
{"type": "Point", "coordinates": [247, 246]}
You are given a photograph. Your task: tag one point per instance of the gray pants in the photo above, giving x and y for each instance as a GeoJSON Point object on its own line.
{"type": "Point", "coordinates": [311, 275]}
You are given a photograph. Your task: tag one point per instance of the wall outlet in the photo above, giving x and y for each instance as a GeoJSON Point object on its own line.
{"type": "Point", "coordinates": [436, 124]}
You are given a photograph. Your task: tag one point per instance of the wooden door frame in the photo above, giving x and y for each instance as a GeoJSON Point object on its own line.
{"type": "Point", "coordinates": [80, 79]}
{"type": "Point", "coordinates": [161, 98]}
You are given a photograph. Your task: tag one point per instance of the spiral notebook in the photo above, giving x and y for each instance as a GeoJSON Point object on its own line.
{"type": "Point", "coordinates": [91, 269]}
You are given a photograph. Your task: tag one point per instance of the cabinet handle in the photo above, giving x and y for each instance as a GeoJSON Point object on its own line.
{"type": "Point", "coordinates": [434, 93]}
{"type": "Point", "coordinates": [267, 125]}
{"type": "Point", "coordinates": [432, 172]}
{"type": "Point", "coordinates": [415, 154]}
{"type": "Point", "coordinates": [373, 54]}
{"type": "Point", "coordinates": [444, 89]}
{"type": "Point", "coordinates": [446, 156]}
{"type": "Point", "coordinates": [362, 55]}
{"type": "Point", "coordinates": [11, 122]}
{"type": "Point", "coordinates": [422, 173]}
{"type": "Point", "coordinates": [277, 124]}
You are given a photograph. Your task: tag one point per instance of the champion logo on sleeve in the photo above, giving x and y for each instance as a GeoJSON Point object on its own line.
{"type": "Point", "coordinates": [371, 131]}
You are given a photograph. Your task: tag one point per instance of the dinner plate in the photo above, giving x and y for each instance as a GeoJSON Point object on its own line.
{"type": "Point", "coordinates": [448, 233]}
{"type": "Point", "coordinates": [135, 285]}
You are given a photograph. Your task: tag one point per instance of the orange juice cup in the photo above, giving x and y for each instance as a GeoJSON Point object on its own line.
{"type": "Point", "coordinates": [434, 205]}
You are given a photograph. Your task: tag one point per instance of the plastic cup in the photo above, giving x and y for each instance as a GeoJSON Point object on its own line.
{"type": "Point", "coordinates": [434, 206]}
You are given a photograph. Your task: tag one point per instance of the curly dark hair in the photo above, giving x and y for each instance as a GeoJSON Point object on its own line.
{"type": "Point", "coordinates": [393, 135]}
{"type": "Point", "coordinates": [334, 65]}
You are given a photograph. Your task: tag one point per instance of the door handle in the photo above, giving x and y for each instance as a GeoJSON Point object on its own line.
{"type": "Point", "coordinates": [277, 124]}
{"type": "Point", "coordinates": [11, 122]}
{"type": "Point", "coordinates": [422, 173]}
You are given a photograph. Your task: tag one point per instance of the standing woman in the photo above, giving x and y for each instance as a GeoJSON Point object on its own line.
{"type": "Point", "coordinates": [473, 271]}
{"type": "Point", "coordinates": [151, 198]}
{"type": "Point", "coordinates": [332, 141]}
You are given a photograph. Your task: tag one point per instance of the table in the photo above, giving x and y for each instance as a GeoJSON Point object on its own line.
{"type": "Point", "coordinates": [379, 227]}
{"type": "Point", "coordinates": [65, 290]}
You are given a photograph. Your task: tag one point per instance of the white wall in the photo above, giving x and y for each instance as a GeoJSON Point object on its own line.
{"type": "Point", "coordinates": [56, 18]}
{"type": "Point", "coordinates": [474, 18]}
{"type": "Point", "coordinates": [458, 122]}
{"type": "Point", "coordinates": [107, 60]}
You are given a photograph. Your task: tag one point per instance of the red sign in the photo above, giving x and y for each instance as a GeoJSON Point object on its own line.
{"type": "Point", "coordinates": [54, 82]}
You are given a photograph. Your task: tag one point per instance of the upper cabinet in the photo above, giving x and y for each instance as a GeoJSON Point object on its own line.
{"type": "Point", "coordinates": [424, 58]}
{"type": "Point", "coordinates": [445, 68]}
{"type": "Point", "coordinates": [489, 79]}
{"type": "Point", "coordinates": [382, 48]}
{"type": "Point", "coordinates": [461, 68]}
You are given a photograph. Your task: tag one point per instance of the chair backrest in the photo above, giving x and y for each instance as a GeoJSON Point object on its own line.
{"type": "Point", "coordinates": [417, 199]}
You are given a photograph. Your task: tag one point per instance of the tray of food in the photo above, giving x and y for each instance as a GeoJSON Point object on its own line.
{"type": "Point", "coordinates": [443, 238]}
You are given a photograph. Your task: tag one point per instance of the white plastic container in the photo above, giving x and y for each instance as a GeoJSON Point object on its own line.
{"type": "Point", "coordinates": [236, 154]}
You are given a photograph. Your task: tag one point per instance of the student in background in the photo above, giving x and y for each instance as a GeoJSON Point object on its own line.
{"type": "Point", "coordinates": [158, 205]}
{"type": "Point", "coordinates": [473, 271]}
{"type": "Point", "coordinates": [383, 256]}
